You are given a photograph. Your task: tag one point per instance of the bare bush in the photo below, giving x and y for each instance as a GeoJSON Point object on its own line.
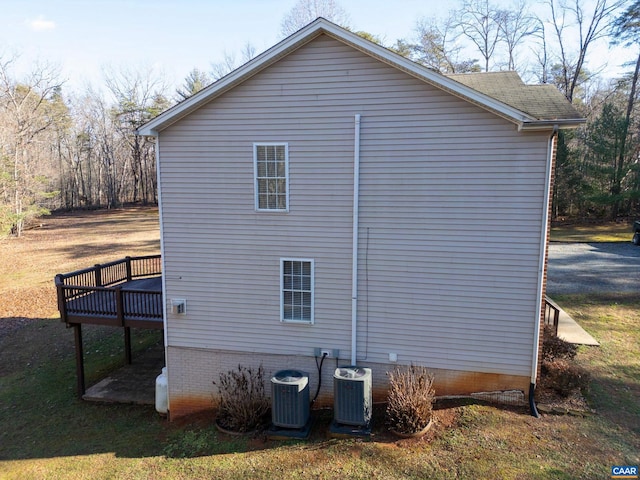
{"type": "Point", "coordinates": [559, 372]}
{"type": "Point", "coordinates": [410, 399]}
{"type": "Point", "coordinates": [243, 403]}
{"type": "Point", "coordinates": [564, 376]}
{"type": "Point", "coordinates": [553, 347]}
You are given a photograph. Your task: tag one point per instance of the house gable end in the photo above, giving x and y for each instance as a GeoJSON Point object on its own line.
{"type": "Point", "coordinates": [312, 31]}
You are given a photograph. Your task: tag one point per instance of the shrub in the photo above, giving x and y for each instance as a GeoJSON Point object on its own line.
{"type": "Point", "coordinates": [564, 376]}
{"type": "Point", "coordinates": [243, 403]}
{"type": "Point", "coordinates": [554, 347]}
{"type": "Point", "coordinates": [410, 399]}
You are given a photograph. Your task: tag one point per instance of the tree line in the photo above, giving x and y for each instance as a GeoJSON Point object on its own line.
{"type": "Point", "coordinates": [62, 151]}
{"type": "Point", "coordinates": [71, 152]}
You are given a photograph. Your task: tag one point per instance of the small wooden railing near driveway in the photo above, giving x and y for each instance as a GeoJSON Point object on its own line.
{"type": "Point", "coordinates": [551, 314]}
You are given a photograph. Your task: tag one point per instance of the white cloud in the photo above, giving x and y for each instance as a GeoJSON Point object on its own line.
{"type": "Point", "coordinates": [40, 24]}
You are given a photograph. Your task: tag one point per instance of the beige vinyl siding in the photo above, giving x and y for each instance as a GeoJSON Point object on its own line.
{"type": "Point", "coordinates": [451, 201]}
{"type": "Point", "coordinates": [458, 267]}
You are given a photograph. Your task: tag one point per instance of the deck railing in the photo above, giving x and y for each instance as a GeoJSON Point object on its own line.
{"type": "Point", "coordinates": [551, 314]}
{"type": "Point", "coordinates": [97, 292]}
{"type": "Point", "coordinates": [118, 271]}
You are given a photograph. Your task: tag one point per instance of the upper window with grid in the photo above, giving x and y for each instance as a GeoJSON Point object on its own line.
{"type": "Point", "coordinates": [271, 163]}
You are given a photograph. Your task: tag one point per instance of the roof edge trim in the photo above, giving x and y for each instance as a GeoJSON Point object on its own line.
{"type": "Point", "coordinates": [550, 124]}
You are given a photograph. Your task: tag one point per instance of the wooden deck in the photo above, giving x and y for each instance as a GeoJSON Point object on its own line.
{"type": "Point", "coordinates": [133, 303]}
{"type": "Point", "coordinates": [125, 293]}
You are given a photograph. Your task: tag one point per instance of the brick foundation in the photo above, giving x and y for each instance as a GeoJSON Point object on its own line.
{"type": "Point", "coordinates": [191, 373]}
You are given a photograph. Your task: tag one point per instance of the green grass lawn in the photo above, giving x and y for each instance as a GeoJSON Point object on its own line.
{"type": "Point", "coordinates": [48, 433]}
{"type": "Point", "coordinates": [605, 232]}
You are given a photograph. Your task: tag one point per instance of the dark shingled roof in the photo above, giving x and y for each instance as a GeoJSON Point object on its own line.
{"type": "Point", "coordinates": [543, 102]}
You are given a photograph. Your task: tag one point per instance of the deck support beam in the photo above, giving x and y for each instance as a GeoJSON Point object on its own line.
{"type": "Point", "coordinates": [77, 330]}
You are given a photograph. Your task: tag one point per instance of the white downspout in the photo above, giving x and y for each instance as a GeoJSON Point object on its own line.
{"type": "Point", "coordinates": [543, 255]}
{"type": "Point", "coordinates": [354, 264]}
{"type": "Point", "coordinates": [162, 260]}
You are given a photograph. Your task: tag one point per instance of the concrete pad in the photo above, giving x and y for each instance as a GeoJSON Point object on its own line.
{"type": "Point", "coordinates": [570, 331]}
{"type": "Point", "coordinates": [135, 383]}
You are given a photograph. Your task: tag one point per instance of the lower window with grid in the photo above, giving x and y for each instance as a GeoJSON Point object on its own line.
{"type": "Point", "coordinates": [296, 277]}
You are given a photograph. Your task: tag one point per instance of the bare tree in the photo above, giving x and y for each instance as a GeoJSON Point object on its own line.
{"type": "Point", "coordinates": [94, 157]}
{"type": "Point", "coordinates": [436, 47]}
{"type": "Point", "coordinates": [140, 95]}
{"type": "Point", "coordinates": [30, 109]}
{"type": "Point", "coordinates": [590, 28]}
{"type": "Point", "coordinates": [515, 26]}
{"type": "Point", "coordinates": [541, 52]}
{"type": "Point", "coordinates": [306, 11]}
{"type": "Point", "coordinates": [229, 62]}
{"type": "Point", "coordinates": [479, 21]}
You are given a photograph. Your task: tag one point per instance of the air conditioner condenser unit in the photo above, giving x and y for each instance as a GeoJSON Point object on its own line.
{"type": "Point", "coordinates": [290, 399]}
{"type": "Point", "coordinates": [352, 396]}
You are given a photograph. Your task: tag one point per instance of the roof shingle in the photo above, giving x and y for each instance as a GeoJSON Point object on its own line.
{"type": "Point", "coordinates": [543, 102]}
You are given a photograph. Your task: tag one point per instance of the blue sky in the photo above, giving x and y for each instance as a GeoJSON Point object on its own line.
{"type": "Point", "coordinates": [83, 36]}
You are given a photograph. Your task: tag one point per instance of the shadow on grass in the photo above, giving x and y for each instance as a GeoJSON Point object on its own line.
{"type": "Point", "coordinates": [42, 418]}
{"type": "Point", "coordinates": [40, 412]}
{"type": "Point", "coordinates": [106, 252]}
{"type": "Point", "coordinates": [617, 399]}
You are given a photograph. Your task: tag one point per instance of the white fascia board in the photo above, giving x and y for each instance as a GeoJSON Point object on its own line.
{"type": "Point", "coordinates": [544, 125]}
{"type": "Point", "coordinates": [305, 35]}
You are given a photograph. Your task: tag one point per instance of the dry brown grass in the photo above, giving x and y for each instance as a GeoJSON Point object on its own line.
{"type": "Point", "coordinates": [64, 243]}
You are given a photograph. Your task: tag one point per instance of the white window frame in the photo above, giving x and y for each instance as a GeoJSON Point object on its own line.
{"type": "Point", "coordinates": [282, 291]}
{"type": "Point", "coordinates": [255, 175]}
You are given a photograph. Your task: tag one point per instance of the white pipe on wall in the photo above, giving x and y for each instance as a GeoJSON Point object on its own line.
{"type": "Point", "coordinates": [354, 264]}
{"type": "Point", "coordinates": [543, 253]}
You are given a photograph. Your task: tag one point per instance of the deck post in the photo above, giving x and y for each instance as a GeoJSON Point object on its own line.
{"type": "Point", "coordinates": [62, 304]}
{"type": "Point", "coordinates": [119, 305]}
{"type": "Point", "coordinates": [128, 264]}
{"type": "Point", "coordinates": [127, 330]}
{"type": "Point", "coordinates": [98, 274]}
{"type": "Point", "coordinates": [77, 329]}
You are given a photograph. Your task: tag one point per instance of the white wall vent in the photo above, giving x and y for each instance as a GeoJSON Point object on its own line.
{"type": "Point", "coordinates": [352, 398]}
{"type": "Point", "coordinates": [290, 399]}
{"type": "Point", "coordinates": [179, 306]}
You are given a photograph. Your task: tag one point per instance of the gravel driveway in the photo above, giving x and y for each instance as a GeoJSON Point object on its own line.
{"type": "Point", "coordinates": [593, 267]}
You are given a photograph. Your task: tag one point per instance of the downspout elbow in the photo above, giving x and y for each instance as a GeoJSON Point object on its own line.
{"type": "Point", "coordinates": [532, 401]}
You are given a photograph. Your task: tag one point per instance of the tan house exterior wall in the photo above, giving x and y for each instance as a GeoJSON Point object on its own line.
{"type": "Point", "coordinates": [451, 201]}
